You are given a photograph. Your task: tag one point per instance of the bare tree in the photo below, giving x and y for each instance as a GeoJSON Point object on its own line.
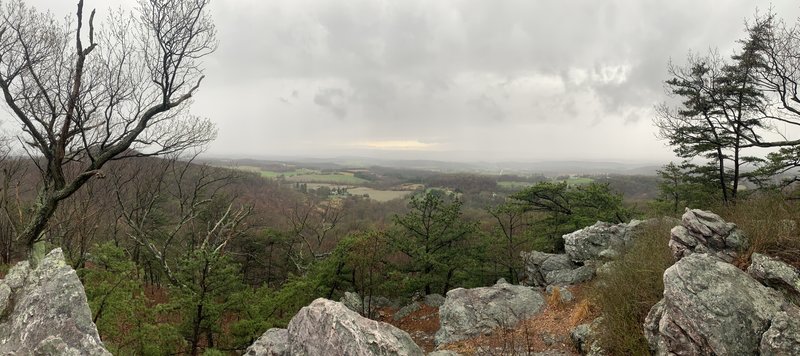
{"type": "Point", "coordinates": [313, 225]}
{"type": "Point", "coordinates": [169, 208]}
{"type": "Point", "coordinates": [85, 95]}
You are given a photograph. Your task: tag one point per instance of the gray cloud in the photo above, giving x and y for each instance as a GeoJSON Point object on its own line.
{"type": "Point", "coordinates": [332, 99]}
{"type": "Point", "coordinates": [515, 79]}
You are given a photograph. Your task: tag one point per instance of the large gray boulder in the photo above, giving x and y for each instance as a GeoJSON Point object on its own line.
{"type": "Point", "coordinates": [471, 312]}
{"type": "Point", "coordinates": [710, 307]}
{"type": "Point", "coordinates": [353, 301]}
{"type": "Point", "coordinates": [539, 264]}
{"type": "Point", "coordinates": [45, 312]}
{"type": "Point", "coordinates": [705, 232]}
{"type": "Point", "coordinates": [776, 274]}
{"type": "Point", "coordinates": [434, 300]}
{"type": "Point", "coordinates": [566, 277]}
{"type": "Point", "coordinates": [329, 328]}
{"type": "Point", "coordinates": [274, 342]}
{"type": "Point", "coordinates": [599, 241]}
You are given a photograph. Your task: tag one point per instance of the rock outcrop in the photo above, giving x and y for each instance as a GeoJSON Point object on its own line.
{"type": "Point", "coordinates": [776, 274]}
{"type": "Point", "coordinates": [45, 312]}
{"type": "Point", "coordinates": [471, 312]}
{"type": "Point", "coordinates": [783, 335]}
{"type": "Point", "coordinates": [583, 337]}
{"type": "Point", "coordinates": [539, 264]}
{"type": "Point", "coordinates": [434, 300]}
{"type": "Point", "coordinates": [544, 269]}
{"type": "Point", "coordinates": [329, 328]}
{"type": "Point", "coordinates": [711, 307]}
{"type": "Point", "coordinates": [599, 241]}
{"type": "Point", "coordinates": [705, 232]}
{"type": "Point", "coordinates": [274, 342]}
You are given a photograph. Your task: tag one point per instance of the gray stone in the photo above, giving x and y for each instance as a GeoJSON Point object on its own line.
{"type": "Point", "coordinates": [434, 300]}
{"type": "Point", "coordinates": [583, 338]}
{"type": "Point", "coordinates": [472, 312]}
{"type": "Point", "coordinates": [49, 314]}
{"type": "Point", "coordinates": [776, 274]}
{"type": "Point", "coordinates": [5, 297]}
{"type": "Point", "coordinates": [274, 342]}
{"type": "Point", "coordinates": [580, 337]}
{"type": "Point", "coordinates": [710, 307]}
{"type": "Point", "coordinates": [563, 292]}
{"type": "Point", "coordinates": [539, 264]}
{"type": "Point", "coordinates": [783, 335]}
{"type": "Point", "coordinates": [375, 302]}
{"type": "Point", "coordinates": [353, 301]}
{"type": "Point", "coordinates": [329, 328]}
{"type": "Point", "coordinates": [599, 240]}
{"type": "Point", "coordinates": [444, 353]}
{"type": "Point", "coordinates": [406, 311]}
{"type": "Point", "coordinates": [570, 277]}
{"type": "Point", "coordinates": [705, 232]}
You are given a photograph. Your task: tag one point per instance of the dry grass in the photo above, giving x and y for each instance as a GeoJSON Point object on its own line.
{"type": "Point", "coordinates": [771, 226]}
{"type": "Point", "coordinates": [554, 300]}
{"type": "Point", "coordinates": [632, 286]}
{"type": "Point", "coordinates": [556, 322]}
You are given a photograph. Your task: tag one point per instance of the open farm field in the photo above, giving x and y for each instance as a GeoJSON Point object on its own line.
{"type": "Point", "coordinates": [379, 195]}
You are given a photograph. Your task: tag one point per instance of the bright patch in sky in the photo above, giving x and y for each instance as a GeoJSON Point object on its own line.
{"type": "Point", "coordinates": [396, 145]}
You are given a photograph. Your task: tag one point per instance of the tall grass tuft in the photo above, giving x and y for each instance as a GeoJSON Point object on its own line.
{"type": "Point", "coordinates": [630, 287]}
{"type": "Point", "coordinates": [770, 223]}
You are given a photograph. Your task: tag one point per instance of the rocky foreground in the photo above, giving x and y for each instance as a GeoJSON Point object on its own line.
{"type": "Point", "coordinates": [710, 306]}
{"type": "Point", "coordinates": [43, 311]}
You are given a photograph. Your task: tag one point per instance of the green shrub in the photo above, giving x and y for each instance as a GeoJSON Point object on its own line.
{"type": "Point", "coordinates": [632, 285]}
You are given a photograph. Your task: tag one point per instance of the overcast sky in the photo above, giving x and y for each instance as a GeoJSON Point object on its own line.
{"type": "Point", "coordinates": [457, 80]}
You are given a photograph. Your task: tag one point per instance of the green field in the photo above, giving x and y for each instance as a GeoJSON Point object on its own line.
{"type": "Point", "coordinates": [379, 195]}
{"type": "Point", "coordinates": [335, 178]}
{"type": "Point", "coordinates": [296, 172]}
{"type": "Point", "coordinates": [514, 185]}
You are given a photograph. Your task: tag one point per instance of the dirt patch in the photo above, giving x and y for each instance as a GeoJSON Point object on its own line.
{"type": "Point", "coordinates": [421, 325]}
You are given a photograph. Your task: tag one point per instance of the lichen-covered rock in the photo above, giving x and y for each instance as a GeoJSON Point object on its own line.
{"type": "Point", "coordinates": [406, 311]}
{"type": "Point", "coordinates": [353, 301]}
{"type": "Point", "coordinates": [329, 328]}
{"type": "Point", "coordinates": [274, 342]}
{"type": "Point", "coordinates": [434, 300]}
{"type": "Point", "coordinates": [705, 232]}
{"type": "Point", "coordinates": [472, 312]}
{"type": "Point", "coordinates": [570, 276]}
{"type": "Point", "coordinates": [601, 240]}
{"type": "Point", "coordinates": [776, 274]}
{"type": "Point", "coordinates": [710, 307]}
{"type": "Point", "coordinates": [783, 335]}
{"type": "Point", "coordinates": [444, 353]}
{"type": "Point", "coordinates": [565, 296]}
{"type": "Point", "coordinates": [46, 311]}
{"type": "Point", "coordinates": [539, 264]}
{"type": "Point", "coordinates": [583, 337]}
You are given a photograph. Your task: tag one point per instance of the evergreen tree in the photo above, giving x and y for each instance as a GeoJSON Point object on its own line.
{"type": "Point", "coordinates": [435, 238]}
